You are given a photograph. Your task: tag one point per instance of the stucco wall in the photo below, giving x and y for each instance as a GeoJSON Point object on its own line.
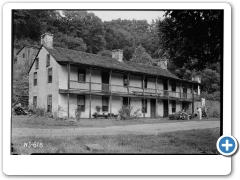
{"type": "Point", "coordinates": [43, 88]}
{"type": "Point", "coordinates": [95, 101]}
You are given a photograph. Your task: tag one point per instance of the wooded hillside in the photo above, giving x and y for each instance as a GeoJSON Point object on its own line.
{"type": "Point", "coordinates": [191, 41]}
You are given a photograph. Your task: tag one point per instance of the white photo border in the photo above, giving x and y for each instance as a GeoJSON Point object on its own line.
{"type": "Point", "coordinates": [113, 164]}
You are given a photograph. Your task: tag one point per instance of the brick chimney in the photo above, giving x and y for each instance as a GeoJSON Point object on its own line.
{"type": "Point", "coordinates": [117, 54]}
{"type": "Point", "coordinates": [47, 40]}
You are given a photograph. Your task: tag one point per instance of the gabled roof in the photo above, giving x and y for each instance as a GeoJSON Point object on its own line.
{"type": "Point", "coordinates": [68, 55]}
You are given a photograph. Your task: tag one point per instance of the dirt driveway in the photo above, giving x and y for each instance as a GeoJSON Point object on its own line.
{"type": "Point", "coordinates": [112, 130]}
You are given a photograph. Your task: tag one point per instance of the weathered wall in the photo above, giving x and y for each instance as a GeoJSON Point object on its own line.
{"type": "Point", "coordinates": [43, 88]}
{"type": "Point", "coordinates": [211, 105]}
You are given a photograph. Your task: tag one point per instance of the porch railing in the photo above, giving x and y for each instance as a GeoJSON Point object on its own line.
{"type": "Point", "coordinates": [118, 89]}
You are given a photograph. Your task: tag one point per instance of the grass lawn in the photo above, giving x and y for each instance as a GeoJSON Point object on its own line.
{"type": "Point", "coordinates": [45, 123]}
{"type": "Point", "coordinates": [179, 142]}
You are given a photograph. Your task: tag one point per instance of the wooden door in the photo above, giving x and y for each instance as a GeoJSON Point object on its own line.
{"type": "Point", "coordinates": [153, 108]}
{"type": "Point", "coordinates": [105, 81]}
{"type": "Point", "coordinates": [165, 108]}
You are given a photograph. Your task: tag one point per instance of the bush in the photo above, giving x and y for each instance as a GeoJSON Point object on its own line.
{"type": "Point", "coordinates": [78, 113]}
{"type": "Point", "coordinates": [216, 113]}
{"type": "Point", "coordinates": [125, 112]}
{"type": "Point", "coordinates": [38, 111]}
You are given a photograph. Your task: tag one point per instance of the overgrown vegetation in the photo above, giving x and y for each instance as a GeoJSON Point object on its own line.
{"type": "Point", "coordinates": [126, 113]}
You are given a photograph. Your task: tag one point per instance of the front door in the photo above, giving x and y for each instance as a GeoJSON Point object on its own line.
{"type": "Point", "coordinates": [105, 81]}
{"type": "Point", "coordinates": [165, 108]}
{"type": "Point", "coordinates": [153, 108]}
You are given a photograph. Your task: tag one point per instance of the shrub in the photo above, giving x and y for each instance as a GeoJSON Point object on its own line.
{"type": "Point", "coordinates": [78, 113]}
{"type": "Point", "coordinates": [216, 113]}
{"type": "Point", "coordinates": [125, 113]}
{"type": "Point", "coordinates": [39, 111]}
{"type": "Point", "coordinates": [136, 114]}
{"type": "Point", "coordinates": [98, 108]}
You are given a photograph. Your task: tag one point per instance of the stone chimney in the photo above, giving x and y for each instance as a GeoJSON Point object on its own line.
{"type": "Point", "coordinates": [163, 63]}
{"type": "Point", "coordinates": [196, 79]}
{"type": "Point", "coordinates": [117, 54]}
{"type": "Point", "coordinates": [47, 40]}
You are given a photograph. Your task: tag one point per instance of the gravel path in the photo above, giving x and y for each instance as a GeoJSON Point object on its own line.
{"type": "Point", "coordinates": [112, 130]}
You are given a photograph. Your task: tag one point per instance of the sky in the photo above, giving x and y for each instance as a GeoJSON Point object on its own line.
{"type": "Point", "coordinates": [138, 15]}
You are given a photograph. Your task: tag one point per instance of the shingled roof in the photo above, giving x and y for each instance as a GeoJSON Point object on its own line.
{"type": "Point", "coordinates": [68, 55]}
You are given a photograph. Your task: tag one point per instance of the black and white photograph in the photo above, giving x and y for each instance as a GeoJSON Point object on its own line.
{"type": "Point", "coordinates": [116, 81]}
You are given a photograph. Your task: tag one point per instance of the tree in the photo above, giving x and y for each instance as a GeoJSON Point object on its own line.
{"type": "Point", "coordinates": [192, 35]}
{"type": "Point", "coordinates": [141, 56]}
{"type": "Point", "coordinates": [65, 41]}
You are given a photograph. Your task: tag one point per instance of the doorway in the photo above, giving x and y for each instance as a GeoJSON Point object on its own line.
{"type": "Point", "coordinates": [153, 108]}
{"type": "Point", "coordinates": [105, 81]}
{"type": "Point", "coordinates": [165, 88]}
{"type": "Point", "coordinates": [125, 101]}
{"type": "Point", "coordinates": [165, 108]}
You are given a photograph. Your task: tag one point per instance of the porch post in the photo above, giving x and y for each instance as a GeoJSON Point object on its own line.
{"type": "Point", "coordinates": [110, 82]}
{"type": "Point", "coordinates": [128, 77]}
{"type": "Point", "coordinates": [143, 95]}
{"type": "Point", "coordinates": [68, 85]}
{"type": "Point", "coordinates": [181, 95]}
{"type": "Point", "coordinates": [168, 97]}
{"type": "Point", "coordinates": [192, 99]}
{"type": "Point", "coordinates": [90, 96]}
{"type": "Point", "coordinates": [156, 90]}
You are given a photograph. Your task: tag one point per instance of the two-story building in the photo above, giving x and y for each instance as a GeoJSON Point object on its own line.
{"type": "Point", "coordinates": [62, 80]}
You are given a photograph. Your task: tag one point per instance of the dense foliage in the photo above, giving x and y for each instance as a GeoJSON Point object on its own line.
{"type": "Point", "coordinates": [190, 40]}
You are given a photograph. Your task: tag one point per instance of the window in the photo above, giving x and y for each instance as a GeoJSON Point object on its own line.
{"type": "Point", "coordinates": [48, 60]}
{"type": "Point", "coordinates": [35, 79]}
{"type": "Point", "coordinates": [81, 103]}
{"type": "Point", "coordinates": [173, 86]}
{"type": "Point", "coordinates": [105, 103]}
{"type": "Point", "coordinates": [49, 75]}
{"type": "Point", "coordinates": [49, 103]}
{"type": "Point", "coordinates": [23, 55]}
{"type": "Point", "coordinates": [37, 63]}
{"type": "Point", "coordinates": [144, 108]}
{"type": "Point", "coordinates": [34, 101]}
{"type": "Point", "coordinates": [173, 106]}
{"type": "Point", "coordinates": [125, 80]}
{"type": "Point", "coordinates": [82, 75]}
{"type": "Point", "coordinates": [145, 82]}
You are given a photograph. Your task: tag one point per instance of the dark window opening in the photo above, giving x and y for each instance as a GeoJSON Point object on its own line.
{"type": "Point", "coordinates": [49, 103]}
{"type": "Point", "coordinates": [145, 82]}
{"type": "Point", "coordinates": [125, 80]}
{"type": "Point", "coordinates": [35, 79]}
{"type": "Point", "coordinates": [173, 86]}
{"type": "Point", "coordinates": [82, 75]}
{"type": "Point", "coordinates": [173, 106]}
{"type": "Point", "coordinates": [37, 63]}
{"type": "Point", "coordinates": [23, 55]}
{"type": "Point", "coordinates": [50, 75]}
{"type": "Point", "coordinates": [48, 60]}
{"type": "Point", "coordinates": [144, 108]}
{"type": "Point", "coordinates": [105, 102]}
{"type": "Point", "coordinates": [81, 103]}
{"type": "Point", "coordinates": [35, 101]}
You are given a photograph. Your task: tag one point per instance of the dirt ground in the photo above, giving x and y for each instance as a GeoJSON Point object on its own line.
{"type": "Point", "coordinates": [152, 129]}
